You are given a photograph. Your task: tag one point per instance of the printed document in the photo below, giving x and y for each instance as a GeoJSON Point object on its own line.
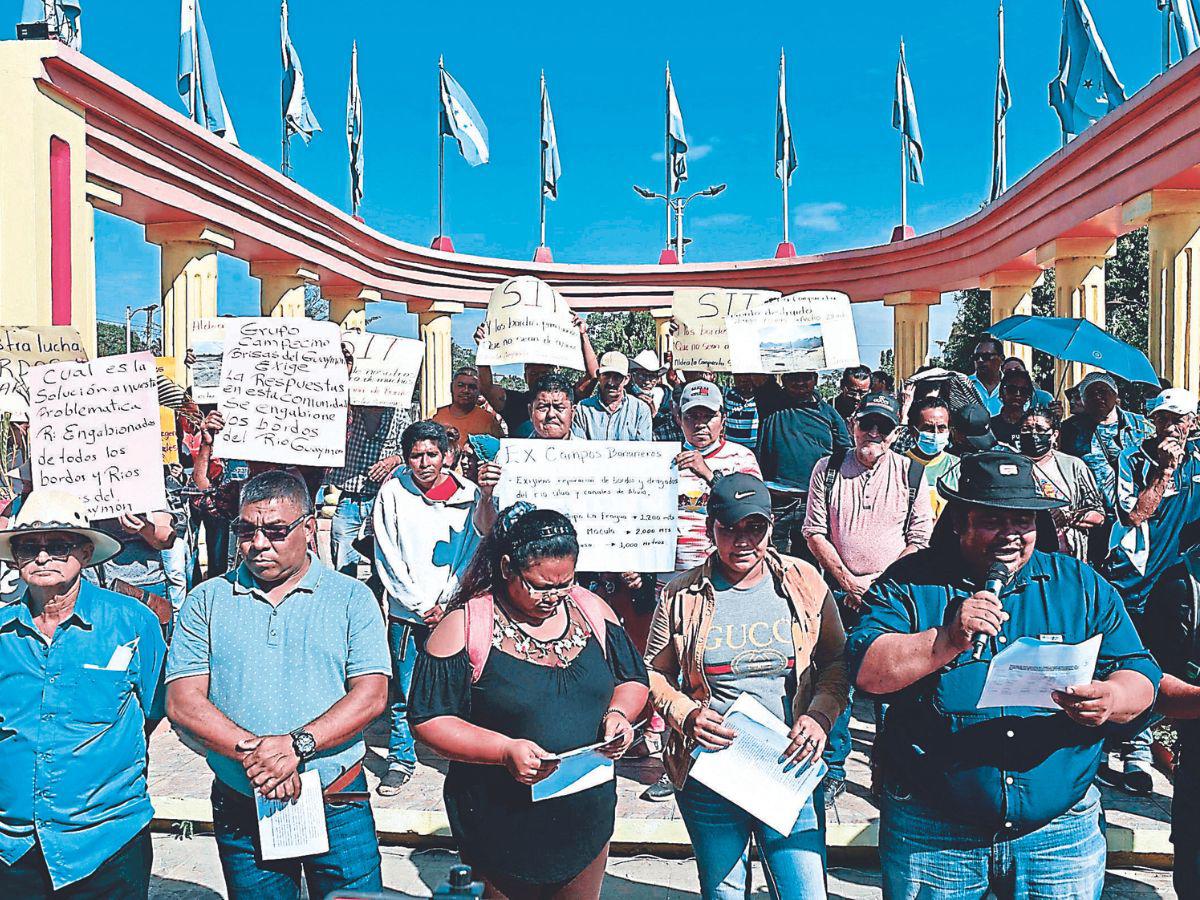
{"type": "Point", "coordinates": [749, 773]}
{"type": "Point", "coordinates": [577, 771]}
{"type": "Point", "coordinates": [291, 828]}
{"type": "Point", "coordinates": [1027, 670]}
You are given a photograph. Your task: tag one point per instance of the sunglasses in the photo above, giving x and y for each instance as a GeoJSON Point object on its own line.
{"type": "Point", "coordinates": [59, 549]}
{"type": "Point", "coordinates": [986, 356]}
{"type": "Point", "coordinates": [752, 527]}
{"type": "Point", "coordinates": [274, 533]}
{"type": "Point", "coordinates": [536, 593]}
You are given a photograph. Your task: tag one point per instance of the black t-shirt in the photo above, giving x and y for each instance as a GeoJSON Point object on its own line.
{"type": "Point", "coordinates": [516, 409]}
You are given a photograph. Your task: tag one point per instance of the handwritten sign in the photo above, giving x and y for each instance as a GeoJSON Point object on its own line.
{"type": "Point", "coordinates": [622, 497]}
{"type": "Point", "coordinates": [170, 438]}
{"type": "Point", "coordinates": [206, 339]}
{"type": "Point", "coordinates": [94, 431]}
{"type": "Point", "coordinates": [22, 348]}
{"type": "Point", "coordinates": [385, 369]}
{"type": "Point", "coordinates": [527, 321]}
{"type": "Point", "coordinates": [284, 392]}
{"type": "Point", "coordinates": [700, 342]}
{"type": "Point", "coordinates": [803, 332]}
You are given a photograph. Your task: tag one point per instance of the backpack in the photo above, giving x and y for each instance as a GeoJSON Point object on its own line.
{"type": "Point", "coordinates": [916, 472]}
{"type": "Point", "coordinates": [480, 615]}
{"type": "Point", "coordinates": [1170, 625]}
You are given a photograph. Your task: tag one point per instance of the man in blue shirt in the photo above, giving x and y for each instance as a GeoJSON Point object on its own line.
{"type": "Point", "coordinates": [999, 798]}
{"type": "Point", "coordinates": [79, 666]}
{"type": "Point", "coordinates": [989, 357]}
{"type": "Point", "coordinates": [612, 414]}
{"type": "Point", "coordinates": [277, 667]}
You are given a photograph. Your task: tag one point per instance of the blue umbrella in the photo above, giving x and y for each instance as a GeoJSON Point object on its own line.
{"type": "Point", "coordinates": [1077, 340]}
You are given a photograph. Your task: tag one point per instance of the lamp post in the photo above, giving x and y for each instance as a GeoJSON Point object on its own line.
{"type": "Point", "coordinates": [677, 204]}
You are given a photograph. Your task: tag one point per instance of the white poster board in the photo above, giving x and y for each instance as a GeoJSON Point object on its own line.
{"type": "Point", "coordinates": [700, 342]}
{"type": "Point", "coordinates": [22, 348]}
{"type": "Point", "coordinates": [804, 332]}
{"type": "Point", "coordinates": [622, 496]}
{"type": "Point", "coordinates": [385, 369]}
{"type": "Point", "coordinates": [94, 432]}
{"type": "Point", "coordinates": [206, 338]}
{"type": "Point", "coordinates": [528, 322]}
{"type": "Point", "coordinates": [284, 392]}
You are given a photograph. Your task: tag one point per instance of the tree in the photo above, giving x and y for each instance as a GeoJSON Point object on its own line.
{"type": "Point", "coordinates": [110, 339]}
{"type": "Point", "coordinates": [629, 332]}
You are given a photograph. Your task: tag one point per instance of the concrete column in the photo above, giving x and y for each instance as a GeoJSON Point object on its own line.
{"type": "Point", "coordinates": [187, 279]}
{"type": "Point", "coordinates": [434, 319]}
{"type": "Point", "coordinates": [1012, 295]}
{"type": "Point", "coordinates": [1078, 289]}
{"type": "Point", "coordinates": [348, 305]}
{"type": "Point", "coordinates": [1173, 218]}
{"type": "Point", "coordinates": [662, 331]}
{"type": "Point", "coordinates": [910, 310]}
{"type": "Point", "coordinates": [282, 283]}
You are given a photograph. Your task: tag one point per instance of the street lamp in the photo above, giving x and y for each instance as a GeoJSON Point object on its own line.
{"type": "Point", "coordinates": [677, 204]}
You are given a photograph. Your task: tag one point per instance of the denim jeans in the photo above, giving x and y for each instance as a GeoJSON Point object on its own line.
{"type": "Point", "coordinates": [406, 640]}
{"type": "Point", "coordinates": [839, 743]}
{"type": "Point", "coordinates": [177, 564]}
{"type": "Point", "coordinates": [343, 531]}
{"type": "Point", "coordinates": [352, 862]}
{"type": "Point", "coordinates": [216, 541]}
{"type": "Point", "coordinates": [123, 876]}
{"type": "Point", "coordinates": [921, 855]}
{"type": "Point", "coordinates": [794, 865]}
{"type": "Point", "coordinates": [1135, 749]}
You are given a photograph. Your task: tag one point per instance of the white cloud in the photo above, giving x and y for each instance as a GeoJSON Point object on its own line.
{"type": "Point", "coordinates": [819, 216]}
{"type": "Point", "coordinates": [697, 152]}
{"type": "Point", "coordinates": [718, 220]}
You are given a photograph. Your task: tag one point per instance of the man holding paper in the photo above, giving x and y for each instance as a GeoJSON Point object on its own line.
{"type": "Point", "coordinates": [979, 797]}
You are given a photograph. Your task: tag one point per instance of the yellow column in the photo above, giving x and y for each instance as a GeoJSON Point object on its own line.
{"type": "Point", "coordinates": [1012, 295]}
{"type": "Point", "coordinates": [187, 279]}
{"type": "Point", "coordinates": [662, 331]}
{"type": "Point", "coordinates": [348, 305]}
{"type": "Point", "coordinates": [1078, 289]}
{"type": "Point", "coordinates": [1174, 224]}
{"type": "Point", "coordinates": [434, 319]}
{"type": "Point", "coordinates": [32, 117]}
{"type": "Point", "coordinates": [282, 282]}
{"type": "Point", "coordinates": [910, 325]}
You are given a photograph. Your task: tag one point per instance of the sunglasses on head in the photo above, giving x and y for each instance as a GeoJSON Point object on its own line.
{"type": "Point", "coordinates": [55, 548]}
{"type": "Point", "coordinates": [274, 532]}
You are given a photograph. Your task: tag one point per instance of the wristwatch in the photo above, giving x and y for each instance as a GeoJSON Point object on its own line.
{"type": "Point", "coordinates": [304, 744]}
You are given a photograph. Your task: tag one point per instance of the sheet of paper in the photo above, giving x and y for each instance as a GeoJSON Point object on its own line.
{"type": "Point", "coordinates": [288, 829]}
{"type": "Point", "coordinates": [1027, 670]}
{"type": "Point", "coordinates": [748, 772]}
{"type": "Point", "coordinates": [803, 332]}
{"type": "Point", "coordinates": [577, 771]}
{"type": "Point", "coordinates": [206, 338]}
{"type": "Point", "coordinates": [22, 348]}
{"type": "Point", "coordinates": [700, 342]}
{"type": "Point", "coordinates": [527, 321]}
{"type": "Point", "coordinates": [622, 496]}
{"type": "Point", "coordinates": [385, 369]}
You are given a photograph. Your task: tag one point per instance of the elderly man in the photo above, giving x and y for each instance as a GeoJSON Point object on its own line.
{"type": "Point", "coordinates": [79, 666]}
{"type": "Point", "coordinates": [612, 414]}
{"type": "Point", "coordinates": [464, 413]}
{"type": "Point", "coordinates": [994, 798]}
{"type": "Point", "coordinates": [277, 668]}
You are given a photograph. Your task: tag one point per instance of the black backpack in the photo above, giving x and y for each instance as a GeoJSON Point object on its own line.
{"type": "Point", "coordinates": [916, 472]}
{"type": "Point", "coordinates": [1170, 626]}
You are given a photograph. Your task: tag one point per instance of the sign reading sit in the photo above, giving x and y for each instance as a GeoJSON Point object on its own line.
{"type": "Point", "coordinates": [528, 322]}
{"type": "Point", "coordinates": [22, 348]}
{"type": "Point", "coordinates": [385, 369]}
{"type": "Point", "coordinates": [700, 342]}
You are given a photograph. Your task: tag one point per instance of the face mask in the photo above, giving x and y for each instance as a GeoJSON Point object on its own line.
{"type": "Point", "coordinates": [1033, 444]}
{"type": "Point", "coordinates": [932, 444]}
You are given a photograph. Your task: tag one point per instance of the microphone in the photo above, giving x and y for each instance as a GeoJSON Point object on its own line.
{"type": "Point", "coordinates": [997, 575]}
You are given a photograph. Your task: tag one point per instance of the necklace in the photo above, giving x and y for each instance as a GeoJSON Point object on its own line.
{"type": "Point", "coordinates": [560, 651]}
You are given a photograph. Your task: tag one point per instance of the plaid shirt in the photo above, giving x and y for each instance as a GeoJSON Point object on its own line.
{"type": "Point", "coordinates": [364, 449]}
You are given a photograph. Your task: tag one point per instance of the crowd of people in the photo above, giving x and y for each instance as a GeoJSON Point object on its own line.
{"type": "Point", "coordinates": [885, 543]}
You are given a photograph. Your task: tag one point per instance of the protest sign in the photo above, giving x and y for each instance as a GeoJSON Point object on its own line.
{"type": "Point", "coordinates": [803, 332]}
{"type": "Point", "coordinates": [700, 343]}
{"type": "Point", "coordinates": [94, 431]}
{"type": "Point", "coordinates": [206, 339]}
{"type": "Point", "coordinates": [385, 369]}
{"type": "Point", "coordinates": [22, 348]}
{"type": "Point", "coordinates": [621, 496]}
{"type": "Point", "coordinates": [170, 439]}
{"type": "Point", "coordinates": [528, 322]}
{"type": "Point", "coordinates": [12, 588]}
{"type": "Point", "coordinates": [284, 392]}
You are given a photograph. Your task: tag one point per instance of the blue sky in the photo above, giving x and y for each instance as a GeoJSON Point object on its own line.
{"type": "Point", "coordinates": [604, 67]}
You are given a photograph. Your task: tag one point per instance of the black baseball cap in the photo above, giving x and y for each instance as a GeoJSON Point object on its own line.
{"type": "Point", "coordinates": [879, 404]}
{"type": "Point", "coordinates": [736, 496]}
{"type": "Point", "coordinates": [973, 426]}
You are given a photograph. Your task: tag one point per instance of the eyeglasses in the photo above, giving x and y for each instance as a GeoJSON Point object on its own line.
{"type": "Point", "coordinates": [274, 532]}
{"type": "Point", "coordinates": [549, 593]}
{"type": "Point", "coordinates": [59, 549]}
{"type": "Point", "coordinates": [876, 426]}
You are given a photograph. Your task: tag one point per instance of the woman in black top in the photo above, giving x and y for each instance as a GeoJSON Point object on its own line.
{"type": "Point", "coordinates": [516, 672]}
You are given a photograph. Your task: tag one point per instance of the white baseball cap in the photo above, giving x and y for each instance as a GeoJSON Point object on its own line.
{"type": "Point", "coordinates": [614, 361]}
{"type": "Point", "coordinates": [700, 393]}
{"type": "Point", "coordinates": [647, 360]}
{"type": "Point", "coordinates": [1173, 400]}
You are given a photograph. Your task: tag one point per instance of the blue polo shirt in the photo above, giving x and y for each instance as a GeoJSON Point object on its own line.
{"type": "Point", "coordinates": [272, 669]}
{"type": "Point", "coordinates": [1101, 448]}
{"type": "Point", "coordinates": [630, 422]}
{"type": "Point", "coordinates": [1009, 769]}
{"type": "Point", "coordinates": [72, 732]}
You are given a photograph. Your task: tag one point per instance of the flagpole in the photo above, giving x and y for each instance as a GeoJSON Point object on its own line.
{"type": "Point", "coordinates": [903, 181]}
{"type": "Point", "coordinates": [283, 165]}
{"type": "Point", "coordinates": [441, 155]}
{"type": "Point", "coordinates": [542, 155]}
{"type": "Point", "coordinates": [667, 150]}
{"type": "Point", "coordinates": [1166, 37]}
{"type": "Point", "coordinates": [787, 175]}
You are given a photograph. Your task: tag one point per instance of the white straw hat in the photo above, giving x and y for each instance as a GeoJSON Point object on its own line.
{"type": "Point", "coordinates": [48, 510]}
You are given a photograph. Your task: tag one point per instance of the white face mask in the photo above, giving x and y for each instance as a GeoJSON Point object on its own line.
{"type": "Point", "coordinates": [931, 444]}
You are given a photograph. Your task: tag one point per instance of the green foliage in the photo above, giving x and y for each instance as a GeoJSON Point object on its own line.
{"type": "Point", "coordinates": [629, 332]}
{"type": "Point", "coordinates": [110, 339]}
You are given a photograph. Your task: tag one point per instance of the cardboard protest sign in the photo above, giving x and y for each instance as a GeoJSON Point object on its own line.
{"type": "Point", "coordinates": [803, 332]}
{"type": "Point", "coordinates": [94, 431]}
{"type": "Point", "coordinates": [22, 348]}
{"type": "Point", "coordinates": [622, 496]}
{"type": "Point", "coordinates": [170, 438]}
{"type": "Point", "coordinates": [700, 342]}
{"type": "Point", "coordinates": [284, 392]}
{"type": "Point", "coordinates": [385, 369]}
{"type": "Point", "coordinates": [206, 339]}
{"type": "Point", "coordinates": [527, 321]}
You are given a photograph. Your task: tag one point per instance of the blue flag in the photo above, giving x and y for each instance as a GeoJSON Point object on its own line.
{"type": "Point", "coordinates": [999, 128]}
{"type": "Point", "coordinates": [551, 167]}
{"type": "Point", "coordinates": [677, 145]}
{"type": "Point", "coordinates": [785, 149]}
{"type": "Point", "coordinates": [904, 119]}
{"type": "Point", "coordinates": [62, 17]}
{"type": "Point", "coordinates": [461, 121]}
{"type": "Point", "coordinates": [1187, 29]}
{"type": "Point", "coordinates": [197, 78]}
{"type": "Point", "coordinates": [298, 118]}
{"type": "Point", "coordinates": [1086, 86]}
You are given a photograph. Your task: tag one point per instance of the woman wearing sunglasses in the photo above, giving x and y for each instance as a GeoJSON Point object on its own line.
{"type": "Point", "coordinates": [525, 665]}
{"type": "Point", "coordinates": [747, 621]}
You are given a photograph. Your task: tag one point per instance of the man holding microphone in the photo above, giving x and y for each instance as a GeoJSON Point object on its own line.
{"type": "Point", "coordinates": [997, 799]}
